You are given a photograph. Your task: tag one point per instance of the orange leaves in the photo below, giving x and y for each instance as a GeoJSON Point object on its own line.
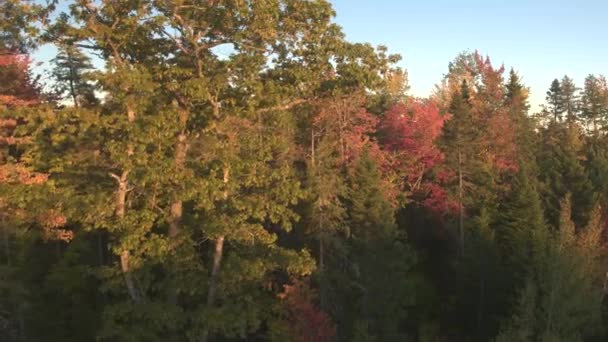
{"type": "Point", "coordinates": [52, 222]}
{"type": "Point", "coordinates": [14, 101]}
{"type": "Point", "coordinates": [19, 174]}
{"type": "Point", "coordinates": [307, 323]}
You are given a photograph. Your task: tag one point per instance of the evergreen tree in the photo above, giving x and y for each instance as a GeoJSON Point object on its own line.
{"type": "Point", "coordinates": [559, 159]}
{"type": "Point", "coordinates": [460, 137]}
{"type": "Point", "coordinates": [560, 301]}
{"type": "Point", "coordinates": [569, 100]}
{"type": "Point", "coordinates": [554, 100]}
{"type": "Point", "coordinates": [521, 221]}
{"type": "Point", "coordinates": [70, 76]}
{"type": "Point", "coordinates": [594, 103]}
{"type": "Point", "coordinates": [379, 253]}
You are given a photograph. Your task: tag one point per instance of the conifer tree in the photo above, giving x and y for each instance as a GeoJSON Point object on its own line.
{"type": "Point", "coordinates": [69, 74]}
{"type": "Point", "coordinates": [560, 301]}
{"type": "Point", "coordinates": [569, 100]}
{"type": "Point", "coordinates": [594, 103]}
{"type": "Point", "coordinates": [554, 100]}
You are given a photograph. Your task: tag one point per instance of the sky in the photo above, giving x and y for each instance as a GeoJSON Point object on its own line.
{"type": "Point", "coordinates": [541, 39]}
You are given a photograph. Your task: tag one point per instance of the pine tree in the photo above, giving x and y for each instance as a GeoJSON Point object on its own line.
{"type": "Point", "coordinates": [69, 74]}
{"type": "Point", "coordinates": [379, 254]}
{"type": "Point", "coordinates": [516, 101]}
{"type": "Point", "coordinates": [554, 100]}
{"type": "Point", "coordinates": [521, 220]}
{"type": "Point", "coordinates": [560, 301]}
{"type": "Point", "coordinates": [594, 103]}
{"type": "Point", "coordinates": [460, 137]}
{"type": "Point", "coordinates": [569, 100]}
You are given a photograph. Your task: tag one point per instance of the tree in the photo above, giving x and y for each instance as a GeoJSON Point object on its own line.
{"type": "Point", "coordinates": [409, 132]}
{"type": "Point", "coordinates": [223, 170]}
{"type": "Point", "coordinates": [520, 221]}
{"type": "Point", "coordinates": [560, 301]}
{"type": "Point", "coordinates": [561, 171]}
{"type": "Point", "coordinates": [306, 323]}
{"type": "Point", "coordinates": [594, 102]}
{"type": "Point", "coordinates": [569, 99]}
{"type": "Point", "coordinates": [69, 74]}
{"type": "Point", "coordinates": [554, 99]}
{"type": "Point", "coordinates": [459, 141]}
{"type": "Point", "coordinates": [380, 256]}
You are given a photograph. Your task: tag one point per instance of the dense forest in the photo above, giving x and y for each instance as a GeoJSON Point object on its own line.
{"type": "Point", "coordinates": [236, 170]}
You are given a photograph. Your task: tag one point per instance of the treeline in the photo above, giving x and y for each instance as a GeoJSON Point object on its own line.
{"type": "Point", "coordinates": [238, 171]}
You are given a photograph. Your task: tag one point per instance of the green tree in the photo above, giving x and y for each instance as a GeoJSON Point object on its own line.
{"type": "Point", "coordinates": [569, 100]}
{"type": "Point", "coordinates": [560, 299]}
{"type": "Point", "coordinates": [380, 257]}
{"type": "Point", "coordinates": [70, 76]}
{"type": "Point", "coordinates": [554, 100]}
{"type": "Point", "coordinates": [594, 103]}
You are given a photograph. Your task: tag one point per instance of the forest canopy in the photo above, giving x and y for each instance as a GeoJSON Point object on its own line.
{"type": "Point", "coordinates": [289, 188]}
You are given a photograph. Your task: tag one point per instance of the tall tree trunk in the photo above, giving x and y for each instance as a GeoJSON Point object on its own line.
{"type": "Point", "coordinates": [100, 248]}
{"type": "Point", "coordinates": [177, 205]}
{"type": "Point", "coordinates": [181, 149]}
{"type": "Point", "coordinates": [217, 262]}
{"type": "Point", "coordinates": [480, 307]}
{"type": "Point", "coordinates": [460, 205]}
{"type": "Point", "coordinates": [7, 244]}
{"type": "Point", "coordinates": [121, 197]}
{"type": "Point", "coordinates": [322, 285]}
{"type": "Point", "coordinates": [72, 87]}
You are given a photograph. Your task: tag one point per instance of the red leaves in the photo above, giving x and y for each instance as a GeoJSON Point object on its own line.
{"type": "Point", "coordinates": [17, 86]}
{"type": "Point", "coordinates": [411, 129]}
{"type": "Point", "coordinates": [409, 132]}
{"type": "Point", "coordinates": [18, 60]}
{"type": "Point", "coordinates": [307, 323]}
{"type": "Point", "coordinates": [347, 124]}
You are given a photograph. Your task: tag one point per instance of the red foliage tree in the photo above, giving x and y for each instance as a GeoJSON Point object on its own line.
{"type": "Point", "coordinates": [347, 124]}
{"type": "Point", "coordinates": [409, 131]}
{"type": "Point", "coordinates": [17, 85]}
{"type": "Point", "coordinates": [307, 323]}
{"type": "Point", "coordinates": [18, 89]}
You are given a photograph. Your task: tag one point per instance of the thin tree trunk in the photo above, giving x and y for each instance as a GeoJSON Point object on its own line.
{"type": "Point", "coordinates": [181, 148]}
{"type": "Point", "coordinates": [7, 245]}
{"type": "Point", "coordinates": [460, 205]}
{"type": "Point", "coordinates": [480, 307]}
{"type": "Point", "coordinates": [312, 148]}
{"type": "Point", "coordinates": [322, 285]}
{"type": "Point", "coordinates": [217, 262]}
{"type": "Point", "coordinates": [121, 196]}
{"type": "Point", "coordinates": [604, 288]}
{"type": "Point", "coordinates": [100, 244]}
{"type": "Point", "coordinates": [177, 205]}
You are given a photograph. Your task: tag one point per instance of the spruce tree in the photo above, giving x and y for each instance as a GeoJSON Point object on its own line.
{"type": "Point", "coordinates": [569, 100]}
{"type": "Point", "coordinates": [554, 100]}
{"type": "Point", "coordinates": [70, 76]}
{"type": "Point", "coordinates": [560, 299]}
{"type": "Point", "coordinates": [594, 103]}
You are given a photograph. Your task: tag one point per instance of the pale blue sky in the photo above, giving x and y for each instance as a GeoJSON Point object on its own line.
{"type": "Point", "coordinates": [541, 39]}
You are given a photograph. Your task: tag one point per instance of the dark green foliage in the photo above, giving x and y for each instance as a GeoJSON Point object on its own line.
{"type": "Point", "coordinates": [246, 195]}
{"type": "Point", "coordinates": [69, 75]}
